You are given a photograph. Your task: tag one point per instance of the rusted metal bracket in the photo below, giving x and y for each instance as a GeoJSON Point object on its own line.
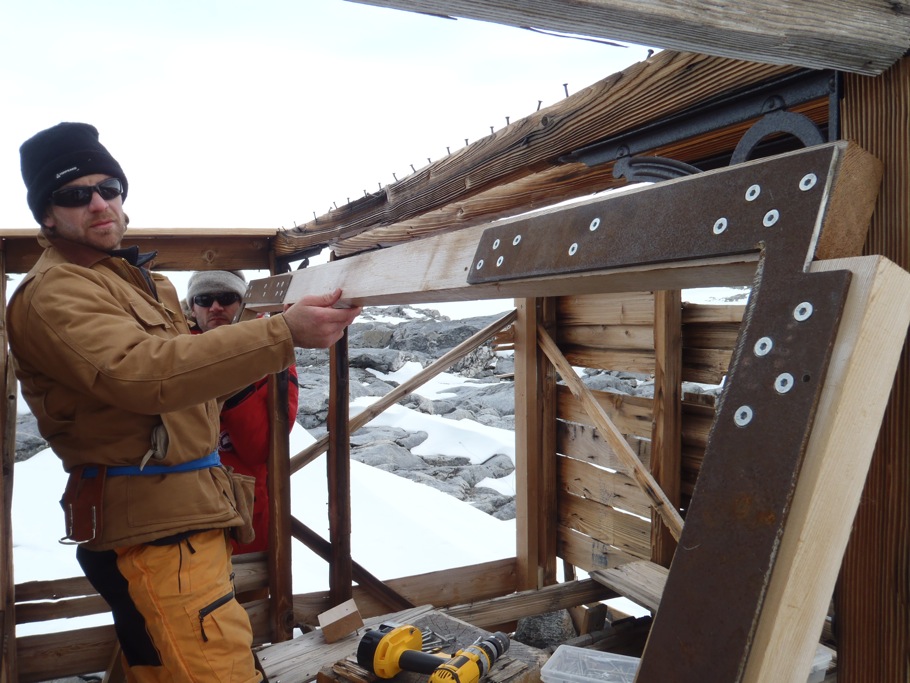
{"type": "Point", "coordinates": [720, 572]}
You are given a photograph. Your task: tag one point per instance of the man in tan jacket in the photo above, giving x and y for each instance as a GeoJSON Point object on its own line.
{"type": "Point", "coordinates": [125, 396]}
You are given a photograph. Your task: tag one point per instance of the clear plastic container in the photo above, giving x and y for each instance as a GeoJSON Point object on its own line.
{"type": "Point", "coordinates": [580, 665]}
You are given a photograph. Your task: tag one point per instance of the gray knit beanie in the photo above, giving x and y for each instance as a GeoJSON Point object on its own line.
{"type": "Point", "coordinates": [215, 282]}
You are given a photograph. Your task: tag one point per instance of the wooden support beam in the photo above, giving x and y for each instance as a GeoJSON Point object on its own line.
{"type": "Point", "coordinates": [338, 464]}
{"type": "Point", "coordinates": [861, 36]}
{"type": "Point", "coordinates": [8, 665]}
{"type": "Point", "coordinates": [279, 559]}
{"type": "Point", "coordinates": [840, 448]}
{"type": "Point", "coordinates": [531, 602]}
{"type": "Point", "coordinates": [662, 505]}
{"type": "Point", "coordinates": [666, 434]}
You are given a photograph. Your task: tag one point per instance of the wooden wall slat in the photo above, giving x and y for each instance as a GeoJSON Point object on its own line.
{"type": "Point", "coordinates": [639, 362]}
{"type": "Point", "coordinates": [631, 414]}
{"type": "Point", "coordinates": [615, 489]}
{"type": "Point", "coordinates": [587, 553]}
{"type": "Point", "coordinates": [873, 596]}
{"type": "Point", "coordinates": [629, 533]}
{"type": "Point", "coordinates": [583, 442]}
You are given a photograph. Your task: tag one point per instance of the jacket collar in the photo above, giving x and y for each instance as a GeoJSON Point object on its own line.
{"type": "Point", "coordinates": [84, 255]}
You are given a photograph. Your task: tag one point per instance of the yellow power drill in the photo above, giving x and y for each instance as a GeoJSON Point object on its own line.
{"type": "Point", "coordinates": [391, 648]}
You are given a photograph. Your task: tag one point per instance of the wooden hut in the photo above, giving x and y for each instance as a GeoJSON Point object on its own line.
{"type": "Point", "coordinates": [757, 85]}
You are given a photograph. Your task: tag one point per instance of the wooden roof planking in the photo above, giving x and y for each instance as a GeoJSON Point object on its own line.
{"type": "Point", "coordinates": [859, 36]}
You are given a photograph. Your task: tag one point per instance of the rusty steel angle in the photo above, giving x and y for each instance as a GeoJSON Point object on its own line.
{"type": "Point", "coordinates": [720, 572]}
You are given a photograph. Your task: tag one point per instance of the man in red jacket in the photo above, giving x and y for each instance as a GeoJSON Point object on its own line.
{"type": "Point", "coordinates": [213, 299]}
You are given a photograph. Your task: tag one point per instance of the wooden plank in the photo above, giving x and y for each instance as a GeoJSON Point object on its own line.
{"type": "Point", "coordinates": [77, 652]}
{"type": "Point", "coordinates": [708, 366]}
{"type": "Point", "coordinates": [607, 336]}
{"type": "Point", "coordinates": [711, 335]}
{"type": "Point", "coordinates": [631, 414]}
{"type": "Point", "coordinates": [873, 627]}
{"type": "Point", "coordinates": [530, 603]}
{"type": "Point", "coordinates": [8, 665]}
{"type": "Point", "coordinates": [582, 442]}
{"type": "Point", "coordinates": [872, 333]}
{"type": "Point", "coordinates": [640, 362]}
{"type": "Point", "coordinates": [861, 37]}
{"type": "Point", "coordinates": [641, 582]}
{"type": "Point", "coordinates": [628, 308]}
{"type": "Point", "coordinates": [615, 489]}
{"type": "Point", "coordinates": [666, 434]}
{"type": "Point", "coordinates": [693, 314]}
{"type": "Point", "coordinates": [444, 588]}
{"type": "Point", "coordinates": [629, 533]}
{"type": "Point", "coordinates": [589, 554]}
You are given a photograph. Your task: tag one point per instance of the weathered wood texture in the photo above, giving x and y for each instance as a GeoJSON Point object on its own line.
{"type": "Point", "coordinates": [545, 187]}
{"type": "Point", "coordinates": [872, 605]}
{"type": "Point", "coordinates": [862, 36]}
{"type": "Point", "coordinates": [666, 432]}
{"type": "Point", "coordinates": [665, 84]}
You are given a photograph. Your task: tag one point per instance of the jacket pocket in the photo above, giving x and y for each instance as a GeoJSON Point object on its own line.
{"type": "Point", "coordinates": [149, 316]}
{"type": "Point", "coordinates": [244, 489]}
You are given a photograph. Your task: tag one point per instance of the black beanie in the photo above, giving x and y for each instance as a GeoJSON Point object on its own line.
{"type": "Point", "coordinates": [56, 156]}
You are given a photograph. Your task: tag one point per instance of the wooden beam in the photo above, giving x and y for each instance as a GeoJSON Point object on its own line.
{"type": "Point", "coordinates": [666, 435]}
{"type": "Point", "coordinates": [530, 603]}
{"type": "Point", "coordinates": [872, 333]}
{"type": "Point", "coordinates": [279, 559]}
{"type": "Point", "coordinates": [338, 464]}
{"type": "Point", "coordinates": [528, 449]}
{"type": "Point", "coordinates": [861, 36]}
{"type": "Point", "coordinates": [8, 665]}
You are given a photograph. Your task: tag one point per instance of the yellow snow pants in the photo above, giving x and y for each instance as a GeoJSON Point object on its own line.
{"type": "Point", "coordinates": [174, 610]}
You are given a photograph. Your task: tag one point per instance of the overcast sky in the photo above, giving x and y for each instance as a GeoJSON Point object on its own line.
{"type": "Point", "coordinates": [256, 114]}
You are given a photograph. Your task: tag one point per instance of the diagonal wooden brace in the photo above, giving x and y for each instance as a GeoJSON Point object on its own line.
{"type": "Point", "coordinates": [612, 435]}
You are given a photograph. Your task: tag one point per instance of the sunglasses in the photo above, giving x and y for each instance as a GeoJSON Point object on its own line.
{"type": "Point", "coordinates": [81, 195]}
{"type": "Point", "coordinates": [223, 299]}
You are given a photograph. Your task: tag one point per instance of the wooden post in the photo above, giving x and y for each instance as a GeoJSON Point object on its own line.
{"type": "Point", "coordinates": [535, 450]}
{"type": "Point", "coordinates": [666, 431]}
{"type": "Point", "coordinates": [339, 475]}
{"type": "Point", "coordinates": [281, 591]}
{"type": "Point", "coordinates": [8, 665]}
{"type": "Point", "coordinates": [871, 603]}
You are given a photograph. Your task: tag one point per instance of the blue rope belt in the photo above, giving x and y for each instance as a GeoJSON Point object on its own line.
{"type": "Point", "coordinates": [210, 460]}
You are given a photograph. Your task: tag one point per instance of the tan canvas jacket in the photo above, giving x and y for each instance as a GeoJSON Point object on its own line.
{"type": "Point", "coordinates": [103, 361]}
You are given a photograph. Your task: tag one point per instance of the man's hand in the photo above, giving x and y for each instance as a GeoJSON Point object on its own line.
{"type": "Point", "coordinates": [315, 323]}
